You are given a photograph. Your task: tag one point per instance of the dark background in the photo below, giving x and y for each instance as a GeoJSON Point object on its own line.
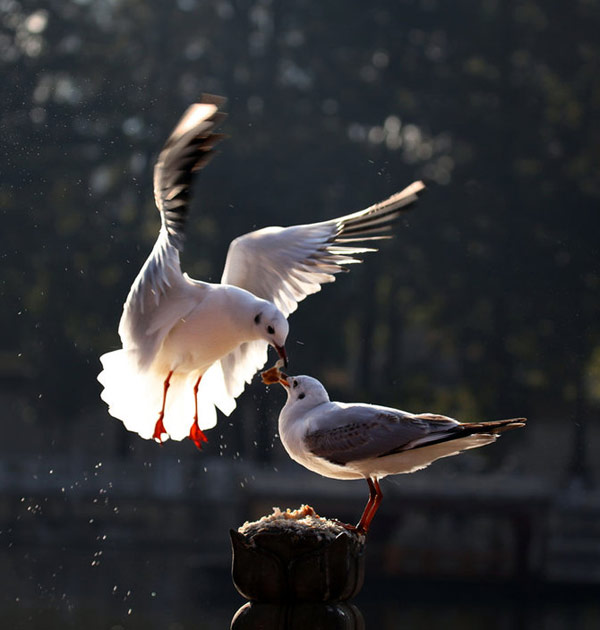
{"type": "Point", "coordinates": [484, 306]}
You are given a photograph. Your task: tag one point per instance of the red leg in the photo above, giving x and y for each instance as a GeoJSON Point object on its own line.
{"type": "Point", "coordinates": [159, 427]}
{"type": "Point", "coordinates": [367, 510]}
{"type": "Point", "coordinates": [196, 434]}
{"type": "Point", "coordinates": [375, 497]}
{"type": "Point", "coordinates": [376, 503]}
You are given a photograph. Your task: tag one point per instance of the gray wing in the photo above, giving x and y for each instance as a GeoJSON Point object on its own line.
{"type": "Point", "coordinates": [284, 265]}
{"type": "Point", "coordinates": [353, 432]}
{"type": "Point", "coordinates": [160, 295]}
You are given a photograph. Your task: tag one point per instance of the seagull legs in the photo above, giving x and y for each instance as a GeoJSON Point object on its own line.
{"type": "Point", "coordinates": [375, 497]}
{"type": "Point", "coordinates": [159, 427]}
{"type": "Point", "coordinates": [196, 434]}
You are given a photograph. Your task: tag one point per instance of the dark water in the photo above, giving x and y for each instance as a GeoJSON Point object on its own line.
{"type": "Point", "coordinates": [165, 589]}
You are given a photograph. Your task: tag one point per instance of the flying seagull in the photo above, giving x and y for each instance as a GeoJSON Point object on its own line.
{"type": "Point", "coordinates": [362, 441]}
{"type": "Point", "coordinates": [189, 346]}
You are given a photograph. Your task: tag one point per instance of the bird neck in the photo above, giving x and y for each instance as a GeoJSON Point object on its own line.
{"type": "Point", "coordinates": [243, 307]}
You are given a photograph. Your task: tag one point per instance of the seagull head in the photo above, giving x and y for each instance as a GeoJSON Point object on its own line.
{"type": "Point", "coordinates": [273, 327]}
{"type": "Point", "coordinates": [304, 391]}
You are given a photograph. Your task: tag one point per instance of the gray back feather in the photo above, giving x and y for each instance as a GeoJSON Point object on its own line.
{"type": "Point", "coordinates": [365, 431]}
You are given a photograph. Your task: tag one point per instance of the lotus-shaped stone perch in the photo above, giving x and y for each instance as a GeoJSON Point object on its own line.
{"type": "Point", "coordinates": [297, 556]}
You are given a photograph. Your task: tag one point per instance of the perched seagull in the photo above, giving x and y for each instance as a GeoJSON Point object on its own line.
{"type": "Point", "coordinates": [361, 441]}
{"type": "Point", "coordinates": [201, 342]}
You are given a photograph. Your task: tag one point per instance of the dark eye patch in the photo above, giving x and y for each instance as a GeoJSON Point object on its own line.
{"type": "Point", "coordinates": [257, 319]}
{"type": "Point", "coordinates": [301, 396]}
{"type": "Point", "coordinates": [270, 330]}
{"type": "Point", "coordinates": [295, 383]}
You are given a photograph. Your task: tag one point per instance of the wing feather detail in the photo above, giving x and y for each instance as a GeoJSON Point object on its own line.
{"type": "Point", "coordinates": [284, 265]}
{"type": "Point", "coordinates": [364, 431]}
{"type": "Point", "coordinates": [189, 148]}
{"type": "Point", "coordinates": [160, 294]}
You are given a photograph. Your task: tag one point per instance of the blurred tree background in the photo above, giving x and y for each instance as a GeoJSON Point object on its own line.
{"type": "Point", "coordinates": [486, 303]}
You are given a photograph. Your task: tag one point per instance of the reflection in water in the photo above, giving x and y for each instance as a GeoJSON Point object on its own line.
{"type": "Point", "coordinates": [148, 588]}
{"type": "Point", "coordinates": [298, 616]}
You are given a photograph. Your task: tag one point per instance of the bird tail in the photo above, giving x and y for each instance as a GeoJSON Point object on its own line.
{"type": "Point", "coordinates": [443, 443]}
{"type": "Point", "coordinates": [129, 393]}
{"type": "Point", "coordinates": [135, 397]}
{"type": "Point", "coordinates": [482, 432]}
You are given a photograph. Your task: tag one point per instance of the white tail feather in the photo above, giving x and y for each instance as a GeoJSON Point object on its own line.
{"type": "Point", "coordinates": [135, 397]}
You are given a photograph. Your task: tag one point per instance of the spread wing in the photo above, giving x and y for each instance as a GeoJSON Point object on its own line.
{"type": "Point", "coordinates": [354, 432]}
{"type": "Point", "coordinates": [189, 148]}
{"type": "Point", "coordinates": [161, 295]}
{"type": "Point", "coordinates": [284, 265]}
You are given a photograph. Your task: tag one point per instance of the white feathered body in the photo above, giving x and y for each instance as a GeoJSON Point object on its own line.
{"type": "Point", "coordinates": [359, 440]}
{"type": "Point", "coordinates": [293, 431]}
{"type": "Point", "coordinates": [191, 348]}
{"type": "Point", "coordinates": [172, 323]}
{"type": "Point", "coordinates": [211, 331]}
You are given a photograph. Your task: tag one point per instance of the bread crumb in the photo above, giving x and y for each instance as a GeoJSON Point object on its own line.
{"type": "Point", "coordinates": [271, 376]}
{"type": "Point", "coordinates": [303, 520]}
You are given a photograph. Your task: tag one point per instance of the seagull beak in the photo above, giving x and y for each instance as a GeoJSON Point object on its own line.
{"type": "Point", "coordinates": [282, 354]}
{"type": "Point", "coordinates": [283, 379]}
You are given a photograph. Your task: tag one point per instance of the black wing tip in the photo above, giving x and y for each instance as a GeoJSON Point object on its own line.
{"type": "Point", "coordinates": [382, 215]}
{"type": "Point", "coordinates": [419, 186]}
{"type": "Point", "coordinates": [404, 199]}
{"type": "Point", "coordinates": [466, 429]}
{"type": "Point", "coordinates": [188, 149]}
{"type": "Point", "coordinates": [202, 129]}
{"type": "Point", "coordinates": [212, 99]}
{"type": "Point", "coordinates": [507, 425]}
{"type": "Point", "coordinates": [493, 426]}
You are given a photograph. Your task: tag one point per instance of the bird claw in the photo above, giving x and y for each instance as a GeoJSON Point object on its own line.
{"type": "Point", "coordinates": [197, 436]}
{"type": "Point", "coordinates": [355, 529]}
{"type": "Point", "coordinates": [159, 431]}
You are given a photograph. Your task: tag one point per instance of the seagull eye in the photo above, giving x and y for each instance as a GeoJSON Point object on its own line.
{"type": "Point", "coordinates": [295, 383]}
{"type": "Point", "coordinates": [301, 396]}
{"type": "Point", "coordinates": [257, 319]}
{"type": "Point", "coordinates": [270, 330]}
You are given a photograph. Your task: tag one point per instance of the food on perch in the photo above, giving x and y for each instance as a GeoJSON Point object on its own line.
{"type": "Point", "coordinates": [304, 521]}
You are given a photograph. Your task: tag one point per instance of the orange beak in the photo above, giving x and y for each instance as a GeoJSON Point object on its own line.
{"type": "Point", "coordinates": [283, 379]}
{"type": "Point", "coordinates": [282, 354]}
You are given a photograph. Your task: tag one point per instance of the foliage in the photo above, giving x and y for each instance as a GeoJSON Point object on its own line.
{"type": "Point", "coordinates": [485, 304]}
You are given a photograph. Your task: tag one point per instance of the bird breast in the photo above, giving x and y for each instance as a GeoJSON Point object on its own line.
{"type": "Point", "coordinates": [292, 434]}
{"type": "Point", "coordinates": [206, 335]}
